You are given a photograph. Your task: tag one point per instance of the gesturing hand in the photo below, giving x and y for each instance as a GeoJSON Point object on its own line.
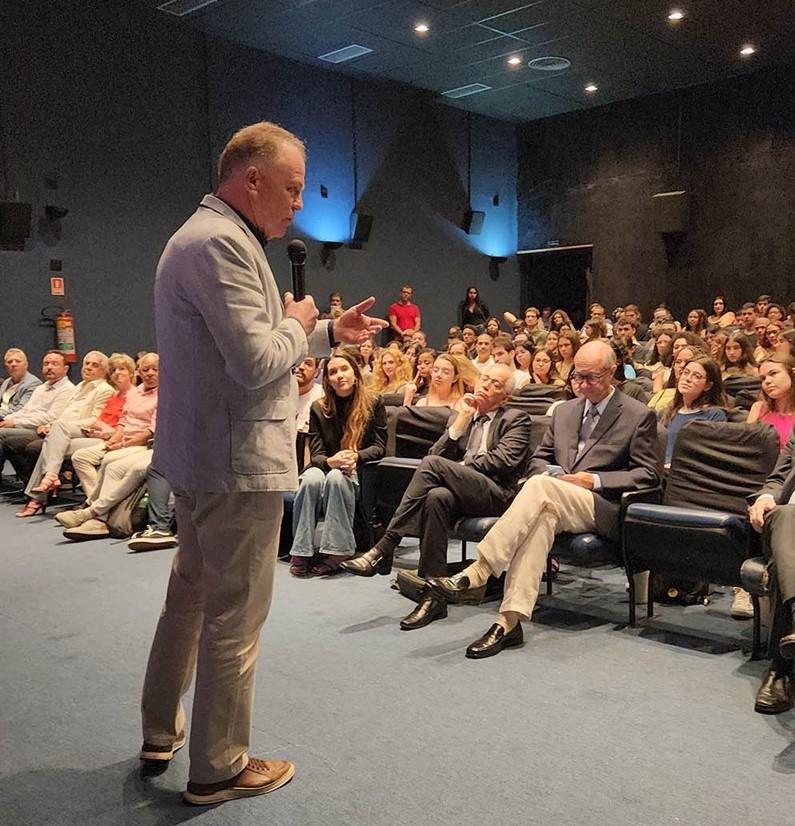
{"type": "Point", "coordinates": [354, 327]}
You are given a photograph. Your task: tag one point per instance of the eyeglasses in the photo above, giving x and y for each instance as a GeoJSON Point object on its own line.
{"type": "Point", "coordinates": [697, 375]}
{"type": "Point", "coordinates": [588, 378]}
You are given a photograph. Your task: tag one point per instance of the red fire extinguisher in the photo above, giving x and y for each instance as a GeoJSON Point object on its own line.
{"type": "Point", "coordinates": [65, 335]}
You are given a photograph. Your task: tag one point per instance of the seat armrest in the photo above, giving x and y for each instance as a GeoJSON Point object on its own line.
{"type": "Point", "coordinates": [652, 496]}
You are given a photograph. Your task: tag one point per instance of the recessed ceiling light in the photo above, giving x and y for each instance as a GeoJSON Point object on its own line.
{"type": "Point", "coordinates": [747, 50]}
{"type": "Point", "coordinates": [675, 15]}
{"type": "Point", "coordinates": [422, 28]}
{"type": "Point", "coordinates": [515, 60]}
{"type": "Point", "coordinates": [591, 88]}
{"type": "Point", "coordinates": [548, 63]}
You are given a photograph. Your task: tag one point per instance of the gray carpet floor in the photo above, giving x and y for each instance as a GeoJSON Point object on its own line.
{"type": "Point", "coordinates": [589, 723]}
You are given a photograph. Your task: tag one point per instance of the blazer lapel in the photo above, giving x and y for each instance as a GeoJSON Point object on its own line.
{"type": "Point", "coordinates": [606, 421]}
{"type": "Point", "coordinates": [495, 430]}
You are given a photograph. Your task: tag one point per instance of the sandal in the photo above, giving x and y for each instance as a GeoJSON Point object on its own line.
{"type": "Point", "coordinates": [32, 508]}
{"type": "Point", "coordinates": [48, 482]}
{"type": "Point", "coordinates": [329, 565]}
{"type": "Point", "coordinates": [299, 566]}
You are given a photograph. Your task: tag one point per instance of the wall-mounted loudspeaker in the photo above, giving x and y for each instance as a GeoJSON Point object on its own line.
{"type": "Point", "coordinates": [473, 222]}
{"type": "Point", "coordinates": [361, 226]}
{"type": "Point", "coordinates": [15, 224]}
{"type": "Point", "coordinates": [671, 212]}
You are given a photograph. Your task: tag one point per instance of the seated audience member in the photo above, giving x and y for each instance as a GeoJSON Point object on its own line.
{"type": "Point", "coordinates": [681, 341]}
{"type": "Point", "coordinates": [595, 329]}
{"type": "Point", "coordinates": [483, 359]}
{"type": "Point", "coordinates": [474, 468]}
{"type": "Point", "coordinates": [738, 356]}
{"type": "Point", "coordinates": [762, 303]}
{"type": "Point", "coordinates": [503, 352]}
{"type": "Point", "coordinates": [309, 391]}
{"type": "Point", "coordinates": [746, 320]}
{"type": "Point", "coordinates": [767, 341]}
{"type": "Point", "coordinates": [551, 343]}
{"type": "Point", "coordinates": [472, 311]}
{"type": "Point", "coordinates": [458, 348]}
{"type": "Point", "coordinates": [410, 352]}
{"type": "Point", "coordinates": [624, 332]}
{"type": "Point", "coordinates": [532, 325]}
{"type": "Point", "coordinates": [699, 395]}
{"type": "Point", "coordinates": [716, 343]}
{"type": "Point", "coordinates": [66, 436]}
{"type": "Point", "coordinates": [419, 339]}
{"type": "Point", "coordinates": [786, 343]}
{"type": "Point", "coordinates": [367, 350]}
{"type": "Point", "coordinates": [596, 313]}
{"type": "Point", "coordinates": [624, 378]}
{"type": "Point", "coordinates": [720, 315]}
{"type": "Point", "coordinates": [335, 308]}
{"type": "Point", "coordinates": [523, 358]}
{"type": "Point", "coordinates": [469, 336]}
{"type": "Point", "coordinates": [772, 513]}
{"type": "Point", "coordinates": [20, 384]}
{"type": "Point", "coordinates": [546, 318]}
{"type": "Point", "coordinates": [418, 386]}
{"type": "Point", "coordinates": [559, 319]}
{"type": "Point", "coordinates": [446, 387]}
{"type": "Point", "coordinates": [132, 434]}
{"type": "Point", "coordinates": [775, 312]}
{"type": "Point", "coordinates": [776, 405]}
{"type": "Point", "coordinates": [662, 399]}
{"type": "Point", "coordinates": [568, 345]}
{"type": "Point", "coordinates": [84, 405]}
{"type": "Point", "coordinates": [159, 532]}
{"type": "Point", "coordinates": [391, 372]}
{"type": "Point", "coordinates": [661, 356]}
{"type": "Point", "coordinates": [697, 322]}
{"type": "Point", "coordinates": [46, 403]}
{"type": "Point", "coordinates": [601, 445]}
{"type": "Point", "coordinates": [542, 369]}
{"type": "Point", "coordinates": [789, 322]}
{"type": "Point", "coordinates": [347, 428]}
{"type": "Point", "coordinates": [453, 334]}
{"type": "Point", "coordinates": [493, 326]}
{"type": "Point", "coordinates": [633, 315]}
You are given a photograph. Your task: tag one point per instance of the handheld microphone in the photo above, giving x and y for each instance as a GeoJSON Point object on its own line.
{"type": "Point", "coordinates": [296, 252]}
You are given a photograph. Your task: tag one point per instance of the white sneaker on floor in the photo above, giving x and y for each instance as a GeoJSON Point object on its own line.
{"type": "Point", "coordinates": [742, 605]}
{"type": "Point", "coordinates": [152, 539]}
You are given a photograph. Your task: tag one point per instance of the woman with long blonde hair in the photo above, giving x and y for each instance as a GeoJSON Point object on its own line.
{"type": "Point", "coordinates": [391, 371]}
{"type": "Point", "coordinates": [347, 427]}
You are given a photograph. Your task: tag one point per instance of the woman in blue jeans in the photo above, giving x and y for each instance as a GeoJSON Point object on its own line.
{"type": "Point", "coordinates": [347, 427]}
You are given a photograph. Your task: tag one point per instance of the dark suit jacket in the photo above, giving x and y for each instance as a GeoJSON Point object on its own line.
{"type": "Point", "coordinates": [623, 450]}
{"type": "Point", "coordinates": [508, 447]}
{"type": "Point", "coordinates": [781, 482]}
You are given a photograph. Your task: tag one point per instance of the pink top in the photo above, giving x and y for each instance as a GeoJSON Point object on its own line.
{"type": "Point", "coordinates": [783, 423]}
{"type": "Point", "coordinates": [140, 411]}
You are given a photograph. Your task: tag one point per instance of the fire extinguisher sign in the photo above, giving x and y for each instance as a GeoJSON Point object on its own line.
{"type": "Point", "coordinates": [56, 285]}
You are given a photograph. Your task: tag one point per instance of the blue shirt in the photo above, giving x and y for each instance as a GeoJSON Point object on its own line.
{"type": "Point", "coordinates": [712, 414]}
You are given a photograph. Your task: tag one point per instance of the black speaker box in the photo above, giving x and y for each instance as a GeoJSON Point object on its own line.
{"type": "Point", "coordinates": [671, 212]}
{"type": "Point", "coordinates": [15, 224]}
{"type": "Point", "coordinates": [473, 222]}
{"type": "Point", "coordinates": [361, 226]}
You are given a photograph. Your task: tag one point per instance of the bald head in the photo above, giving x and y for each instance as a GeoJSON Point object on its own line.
{"type": "Point", "coordinates": [594, 366]}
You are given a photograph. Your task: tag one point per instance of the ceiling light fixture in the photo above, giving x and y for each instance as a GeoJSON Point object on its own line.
{"type": "Point", "coordinates": [675, 15]}
{"type": "Point", "coordinates": [515, 60]}
{"type": "Point", "coordinates": [422, 28]}
{"type": "Point", "coordinates": [747, 50]}
{"type": "Point", "coordinates": [591, 88]}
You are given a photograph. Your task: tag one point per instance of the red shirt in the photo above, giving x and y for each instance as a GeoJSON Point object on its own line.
{"type": "Point", "coordinates": [406, 315]}
{"type": "Point", "coordinates": [111, 412]}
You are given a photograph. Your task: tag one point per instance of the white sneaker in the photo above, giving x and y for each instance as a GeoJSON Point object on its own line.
{"type": "Point", "coordinates": [152, 539]}
{"type": "Point", "coordinates": [742, 605]}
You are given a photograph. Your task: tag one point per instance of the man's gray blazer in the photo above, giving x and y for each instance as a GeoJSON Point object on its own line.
{"type": "Point", "coordinates": [623, 449]}
{"type": "Point", "coordinates": [227, 398]}
{"type": "Point", "coordinates": [27, 384]}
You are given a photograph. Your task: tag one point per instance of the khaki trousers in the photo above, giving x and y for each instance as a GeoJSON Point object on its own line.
{"type": "Point", "coordinates": [91, 464]}
{"type": "Point", "coordinates": [219, 595]}
{"type": "Point", "coordinates": [520, 541]}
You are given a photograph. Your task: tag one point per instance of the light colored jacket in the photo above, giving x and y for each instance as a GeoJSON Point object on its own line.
{"type": "Point", "coordinates": [227, 397]}
{"type": "Point", "coordinates": [27, 384]}
{"type": "Point", "coordinates": [86, 403]}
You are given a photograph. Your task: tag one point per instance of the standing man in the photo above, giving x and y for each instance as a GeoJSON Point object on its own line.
{"type": "Point", "coordinates": [226, 444]}
{"type": "Point", "coordinates": [404, 317]}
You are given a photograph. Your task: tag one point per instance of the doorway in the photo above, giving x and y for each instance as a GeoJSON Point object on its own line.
{"type": "Point", "coordinates": [557, 277]}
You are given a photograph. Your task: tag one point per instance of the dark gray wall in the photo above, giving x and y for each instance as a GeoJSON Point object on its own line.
{"type": "Point", "coordinates": [126, 110]}
{"type": "Point", "coordinates": [589, 178]}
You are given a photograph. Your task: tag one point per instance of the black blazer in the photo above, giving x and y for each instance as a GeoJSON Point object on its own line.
{"type": "Point", "coordinates": [781, 482]}
{"type": "Point", "coordinates": [509, 445]}
{"type": "Point", "coordinates": [325, 436]}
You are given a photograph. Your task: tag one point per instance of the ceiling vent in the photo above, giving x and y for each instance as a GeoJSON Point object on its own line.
{"type": "Point", "coordinates": [345, 54]}
{"type": "Point", "coordinates": [179, 8]}
{"type": "Point", "coordinates": [465, 91]}
{"type": "Point", "coordinates": [549, 64]}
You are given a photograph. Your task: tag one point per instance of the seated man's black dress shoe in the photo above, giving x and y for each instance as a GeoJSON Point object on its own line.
{"type": "Point", "coordinates": [494, 640]}
{"type": "Point", "coordinates": [775, 695]}
{"type": "Point", "coordinates": [786, 646]}
{"type": "Point", "coordinates": [457, 589]}
{"type": "Point", "coordinates": [369, 563]}
{"type": "Point", "coordinates": [431, 608]}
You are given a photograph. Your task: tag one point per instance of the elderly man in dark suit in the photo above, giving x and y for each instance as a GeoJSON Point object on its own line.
{"type": "Point", "coordinates": [597, 447]}
{"type": "Point", "coordinates": [226, 444]}
{"type": "Point", "coordinates": [772, 513]}
{"type": "Point", "coordinates": [473, 468]}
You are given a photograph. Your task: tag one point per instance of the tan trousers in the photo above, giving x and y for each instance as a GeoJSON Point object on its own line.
{"type": "Point", "coordinates": [218, 598]}
{"type": "Point", "coordinates": [91, 463]}
{"type": "Point", "coordinates": [520, 541]}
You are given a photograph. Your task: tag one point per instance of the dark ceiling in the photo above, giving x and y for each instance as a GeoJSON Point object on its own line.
{"type": "Point", "coordinates": [627, 47]}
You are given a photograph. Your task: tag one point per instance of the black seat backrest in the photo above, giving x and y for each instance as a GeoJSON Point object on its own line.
{"type": "Point", "coordinates": [417, 429]}
{"type": "Point", "coordinates": [716, 465]}
{"type": "Point", "coordinates": [535, 399]}
{"type": "Point", "coordinates": [743, 390]}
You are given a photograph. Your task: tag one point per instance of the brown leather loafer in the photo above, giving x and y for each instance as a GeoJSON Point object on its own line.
{"type": "Point", "coordinates": [150, 751]}
{"type": "Point", "coordinates": [775, 695]}
{"type": "Point", "coordinates": [259, 777]}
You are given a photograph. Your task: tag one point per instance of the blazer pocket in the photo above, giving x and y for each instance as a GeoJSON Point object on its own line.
{"type": "Point", "coordinates": [261, 441]}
